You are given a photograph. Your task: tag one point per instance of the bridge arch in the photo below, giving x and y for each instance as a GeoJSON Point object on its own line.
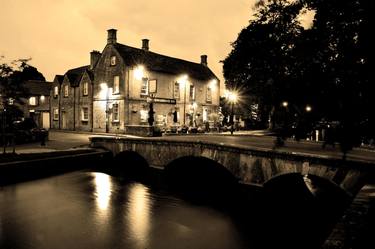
{"type": "Point", "coordinates": [130, 163]}
{"type": "Point", "coordinates": [200, 174]}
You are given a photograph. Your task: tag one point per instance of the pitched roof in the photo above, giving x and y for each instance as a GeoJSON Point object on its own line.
{"type": "Point", "coordinates": [161, 63]}
{"type": "Point", "coordinates": [37, 87]}
{"type": "Point", "coordinates": [75, 75]}
{"type": "Point", "coordinates": [59, 78]}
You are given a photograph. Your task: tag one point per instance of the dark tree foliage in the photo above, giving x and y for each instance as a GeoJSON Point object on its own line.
{"type": "Point", "coordinates": [12, 88]}
{"type": "Point", "coordinates": [326, 66]}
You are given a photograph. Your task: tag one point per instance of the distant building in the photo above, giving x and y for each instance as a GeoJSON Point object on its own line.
{"type": "Point", "coordinates": [37, 106]}
{"type": "Point", "coordinates": [113, 93]}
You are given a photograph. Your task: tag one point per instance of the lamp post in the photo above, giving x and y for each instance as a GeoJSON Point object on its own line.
{"type": "Point", "coordinates": [184, 81]}
{"type": "Point", "coordinates": [232, 98]}
{"type": "Point", "coordinates": [105, 93]}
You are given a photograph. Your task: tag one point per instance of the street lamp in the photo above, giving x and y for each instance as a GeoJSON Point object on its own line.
{"type": "Point", "coordinates": [104, 94]}
{"type": "Point", "coordinates": [184, 82]}
{"type": "Point", "coordinates": [232, 98]}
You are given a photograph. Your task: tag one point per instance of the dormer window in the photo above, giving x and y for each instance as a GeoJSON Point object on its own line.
{"type": "Point", "coordinates": [56, 91]}
{"type": "Point", "coordinates": [113, 60]}
{"type": "Point", "coordinates": [66, 91]}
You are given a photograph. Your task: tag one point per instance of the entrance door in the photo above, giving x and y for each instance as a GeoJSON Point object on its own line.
{"type": "Point", "coordinates": [45, 120]}
{"type": "Point", "coordinates": [63, 120]}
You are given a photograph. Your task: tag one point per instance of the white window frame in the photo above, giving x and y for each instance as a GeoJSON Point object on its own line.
{"type": "Point", "coordinates": [66, 91]}
{"type": "Point", "coordinates": [33, 101]}
{"type": "Point", "coordinates": [85, 88]}
{"type": "Point", "coordinates": [176, 90]}
{"type": "Point", "coordinates": [85, 110]}
{"type": "Point", "coordinates": [113, 60]}
{"type": "Point", "coordinates": [116, 84]}
{"type": "Point", "coordinates": [115, 112]}
{"type": "Point", "coordinates": [56, 91]}
{"type": "Point", "coordinates": [144, 87]}
{"type": "Point", "coordinates": [209, 94]}
{"type": "Point", "coordinates": [55, 113]}
{"type": "Point", "coordinates": [192, 92]}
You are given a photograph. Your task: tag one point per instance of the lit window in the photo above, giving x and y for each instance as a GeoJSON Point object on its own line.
{"type": "Point", "coordinates": [144, 116]}
{"type": "Point", "coordinates": [85, 88]}
{"type": "Point", "coordinates": [192, 92]}
{"type": "Point", "coordinates": [32, 101]}
{"type": "Point", "coordinates": [115, 113]}
{"type": "Point", "coordinates": [113, 60]}
{"type": "Point", "coordinates": [10, 101]}
{"type": "Point", "coordinates": [56, 91]}
{"type": "Point", "coordinates": [176, 92]}
{"type": "Point", "coordinates": [116, 84]}
{"type": "Point", "coordinates": [144, 86]}
{"type": "Point", "coordinates": [209, 94]}
{"type": "Point", "coordinates": [55, 114]}
{"type": "Point", "coordinates": [85, 113]}
{"type": "Point", "coordinates": [42, 98]}
{"type": "Point", "coordinates": [66, 91]}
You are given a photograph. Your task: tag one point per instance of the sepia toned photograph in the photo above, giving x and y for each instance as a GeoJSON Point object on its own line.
{"type": "Point", "coordinates": [155, 124]}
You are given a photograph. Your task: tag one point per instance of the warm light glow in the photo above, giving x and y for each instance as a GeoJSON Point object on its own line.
{"type": "Point", "coordinates": [42, 98]}
{"type": "Point", "coordinates": [183, 80]}
{"type": "Point", "coordinates": [213, 84]}
{"type": "Point", "coordinates": [139, 72]}
{"type": "Point", "coordinates": [285, 103]}
{"type": "Point", "coordinates": [139, 214]}
{"type": "Point", "coordinates": [195, 105]}
{"type": "Point", "coordinates": [103, 187]}
{"type": "Point", "coordinates": [103, 90]}
{"type": "Point", "coordinates": [308, 108]}
{"type": "Point", "coordinates": [232, 97]}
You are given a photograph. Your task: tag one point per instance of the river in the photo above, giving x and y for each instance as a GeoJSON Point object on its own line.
{"type": "Point", "coordinates": [96, 210]}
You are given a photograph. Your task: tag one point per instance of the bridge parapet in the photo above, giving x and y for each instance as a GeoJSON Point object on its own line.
{"type": "Point", "coordinates": [252, 166]}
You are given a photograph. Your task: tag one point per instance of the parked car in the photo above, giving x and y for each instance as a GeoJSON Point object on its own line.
{"type": "Point", "coordinates": [27, 131]}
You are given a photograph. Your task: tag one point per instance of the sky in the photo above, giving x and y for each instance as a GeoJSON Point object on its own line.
{"type": "Point", "coordinates": [59, 34]}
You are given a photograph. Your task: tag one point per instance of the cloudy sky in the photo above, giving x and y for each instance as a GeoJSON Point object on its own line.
{"type": "Point", "coordinates": [59, 34]}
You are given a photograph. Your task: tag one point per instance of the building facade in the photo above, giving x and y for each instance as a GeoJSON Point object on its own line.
{"type": "Point", "coordinates": [113, 93]}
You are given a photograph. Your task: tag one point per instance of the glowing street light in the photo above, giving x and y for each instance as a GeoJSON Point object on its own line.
{"type": "Point", "coordinates": [232, 99]}
{"type": "Point", "coordinates": [285, 103]}
{"type": "Point", "coordinates": [308, 108]}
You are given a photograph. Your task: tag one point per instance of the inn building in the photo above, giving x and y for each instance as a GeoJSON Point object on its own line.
{"type": "Point", "coordinates": [114, 92]}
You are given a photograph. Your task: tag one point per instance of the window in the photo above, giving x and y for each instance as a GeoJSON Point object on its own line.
{"type": "Point", "coordinates": [56, 91]}
{"type": "Point", "coordinates": [113, 60]}
{"type": "Point", "coordinates": [176, 91]}
{"type": "Point", "coordinates": [66, 91]}
{"type": "Point", "coordinates": [85, 88]}
{"type": "Point", "coordinates": [209, 94]}
{"type": "Point", "coordinates": [144, 86]}
{"type": "Point", "coordinates": [192, 93]}
{"type": "Point", "coordinates": [32, 101]}
{"type": "Point", "coordinates": [144, 116]}
{"type": "Point", "coordinates": [116, 84]}
{"type": "Point", "coordinates": [152, 86]}
{"type": "Point", "coordinates": [55, 114]}
{"type": "Point", "coordinates": [115, 113]}
{"type": "Point", "coordinates": [85, 114]}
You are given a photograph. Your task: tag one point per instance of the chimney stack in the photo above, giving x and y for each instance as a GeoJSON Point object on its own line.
{"type": "Point", "coordinates": [204, 60]}
{"type": "Point", "coordinates": [145, 44]}
{"type": "Point", "coordinates": [112, 36]}
{"type": "Point", "coordinates": [94, 58]}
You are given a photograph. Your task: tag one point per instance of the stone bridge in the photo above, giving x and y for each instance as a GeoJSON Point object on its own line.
{"type": "Point", "coordinates": [250, 166]}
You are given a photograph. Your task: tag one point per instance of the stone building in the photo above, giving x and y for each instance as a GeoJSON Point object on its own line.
{"type": "Point", "coordinates": [37, 106]}
{"type": "Point", "coordinates": [122, 81]}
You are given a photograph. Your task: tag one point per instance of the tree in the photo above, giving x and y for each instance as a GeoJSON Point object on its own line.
{"type": "Point", "coordinates": [326, 66]}
{"type": "Point", "coordinates": [12, 86]}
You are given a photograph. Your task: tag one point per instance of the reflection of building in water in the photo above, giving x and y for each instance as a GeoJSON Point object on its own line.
{"type": "Point", "coordinates": [139, 214]}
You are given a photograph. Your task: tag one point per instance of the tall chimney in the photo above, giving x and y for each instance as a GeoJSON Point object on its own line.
{"type": "Point", "coordinates": [145, 44]}
{"type": "Point", "coordinates": [94, 58]}
{"type": "Point", "coordinates": [204, 60]}
{"type": "Point", "coordinates": [112, 39]}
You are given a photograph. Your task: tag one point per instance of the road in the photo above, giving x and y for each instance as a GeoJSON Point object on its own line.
{"type": "Point", "coordinates": [59, 140]}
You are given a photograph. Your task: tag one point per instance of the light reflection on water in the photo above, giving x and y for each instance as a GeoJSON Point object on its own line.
{"type": "Point", "coordinates": [97, 211]}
